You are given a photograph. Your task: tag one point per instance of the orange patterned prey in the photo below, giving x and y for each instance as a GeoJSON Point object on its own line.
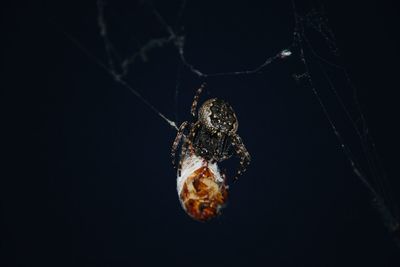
{"type": "Point", "coordinates": [203, 192]}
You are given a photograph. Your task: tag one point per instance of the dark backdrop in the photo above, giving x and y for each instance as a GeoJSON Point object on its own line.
{"type": "Point", "coordinates": [87, 178]}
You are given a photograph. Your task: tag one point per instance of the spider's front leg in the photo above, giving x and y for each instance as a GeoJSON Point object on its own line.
{"type": "Point", "coordinates": [196, 99]}
{"type": "Point", "coordinates": [177, 140]}
{"type": "Point", "coordinates": [192, 134]}
{"type": "Point", "coordinates": [188, 144]}
{"type": "Point", "coordinates": [243, 154]}
{"type": "Point", "coordinates": [182, 157]}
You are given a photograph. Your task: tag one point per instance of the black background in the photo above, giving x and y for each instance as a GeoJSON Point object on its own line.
{"type": "Point", "coordinates": [87, 178]}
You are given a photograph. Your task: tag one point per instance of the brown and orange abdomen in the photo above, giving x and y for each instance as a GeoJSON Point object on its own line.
{"type": "Point", "coordinates": [203, 195]}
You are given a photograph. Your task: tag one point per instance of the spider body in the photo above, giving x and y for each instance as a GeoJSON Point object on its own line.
{"type": "Point", "coordinates": [212, 133]}
{"type": "Point", "coordinates": [211, 139]}
{"type": "Point", "coordinates": [213, 136]}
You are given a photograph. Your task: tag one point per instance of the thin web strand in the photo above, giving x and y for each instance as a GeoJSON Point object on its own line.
{"type": "Point", "coordinates": [389, 220]}
{"type": "Point", "coordinates": [367, 143]}
{"type": "Point", "coordinates": [111, 69]}
{"type": "Point", "coordinates": [179, 42]}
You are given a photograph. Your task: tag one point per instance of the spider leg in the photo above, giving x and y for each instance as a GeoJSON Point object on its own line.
{"type": "Point", "coordinates": [177, 140]}
{"type": "Point", "coordinates": [225, 149]}
{"type": "Point", "coordinates": [192, 134]}
{"type": "Point", "coordinates": [243, 154]}
{"type": "Point", "coordinates": [187, 144]}
{"type": "Point", "coordinates": [196, 99]}
{"type": "Point", "coordinates": [182, 156]}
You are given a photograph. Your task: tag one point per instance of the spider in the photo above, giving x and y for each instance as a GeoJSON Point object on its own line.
{"type": "Point", "coordinates": [210, 140]}
{"type": "Point", "coordinates": [213, 135]}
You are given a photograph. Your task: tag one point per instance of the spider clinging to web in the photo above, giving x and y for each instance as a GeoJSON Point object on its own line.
{"type": "Point", "coordinates": [211, 139]}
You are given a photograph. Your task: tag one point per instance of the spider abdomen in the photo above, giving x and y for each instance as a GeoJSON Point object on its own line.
{"type": "Point", "coordinates": [218, 117]}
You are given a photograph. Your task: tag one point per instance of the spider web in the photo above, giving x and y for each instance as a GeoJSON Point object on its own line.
{"type": "Point", "coordinates": [316, 72]}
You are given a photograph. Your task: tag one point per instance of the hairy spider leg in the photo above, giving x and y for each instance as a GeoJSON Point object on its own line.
{"type": "Point", "coordinates": [181, 130]}
{"type": "Point", "coordinates": [177, 140]}
{"type": "Point", "coordinates": [187, 143]}
{"type": "Point", "coordinates": [193, 130]}
{"type": "Point", "coordinates": [243, 154]}
{"type": "Point", "coordinates": [182, 156]}
{"type": "Point", "coordinates": [225, 149]}
{"type": "Point", "coordinates": [196, 99]}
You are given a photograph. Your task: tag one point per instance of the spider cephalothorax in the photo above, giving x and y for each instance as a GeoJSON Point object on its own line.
{"type": "Point", "coordinates": [207, 141]}
{"type": "Point", "coordinates": [218, 117]}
